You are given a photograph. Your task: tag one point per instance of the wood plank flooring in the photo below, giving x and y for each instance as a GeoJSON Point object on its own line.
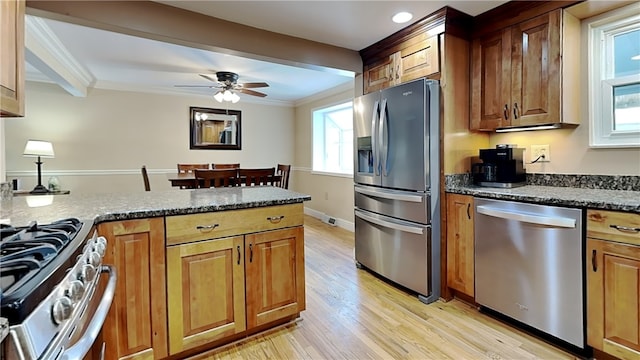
{"type": "Point", "coordinates": [352, 314]}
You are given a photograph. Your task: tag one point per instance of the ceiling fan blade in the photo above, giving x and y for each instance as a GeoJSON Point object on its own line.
{"type": "Point", "coordinates": [201, 86]}
{"type": "Point", "coordinates": [254, 85]}
{"type": "Point", "coordinates": [215, 80]}
{"type": "Point", "coordinates": [251, 92]}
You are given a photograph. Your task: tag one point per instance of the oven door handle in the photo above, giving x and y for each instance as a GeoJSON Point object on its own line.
{"type": "Point", "coordinates": [82, 347]}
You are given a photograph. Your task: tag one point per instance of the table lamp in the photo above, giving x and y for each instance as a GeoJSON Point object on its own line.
{"type": "Point", "coordinates": [38, 148]}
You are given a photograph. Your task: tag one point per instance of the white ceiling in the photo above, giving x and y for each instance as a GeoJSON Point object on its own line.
{"type": "Point", "coordinates": [104, 59]}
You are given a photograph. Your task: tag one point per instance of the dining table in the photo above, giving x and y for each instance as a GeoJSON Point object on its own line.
{"type": "Point", "coordinates": [187, 180]}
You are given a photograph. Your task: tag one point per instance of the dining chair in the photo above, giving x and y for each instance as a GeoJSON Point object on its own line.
{"type": "Point", "coordinates": [189, 168]}
{"type": "Point", "coordinates": [283, 171]}
{"type": "Point", "coordinates": [145, 178]}
{"type": "Point", "coordinates": [251, 177]}
{"type": "Point", "coordinates": [216, 177]}
{"type": "Point", "coordinates": [225, 166]}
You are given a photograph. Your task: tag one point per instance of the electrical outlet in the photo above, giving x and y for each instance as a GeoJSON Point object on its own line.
{"type": "Point", "coordinates": [539, 150]}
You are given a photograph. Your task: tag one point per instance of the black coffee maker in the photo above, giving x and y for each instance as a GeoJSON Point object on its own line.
{"type": "Point", "coordinates": [500, 167]}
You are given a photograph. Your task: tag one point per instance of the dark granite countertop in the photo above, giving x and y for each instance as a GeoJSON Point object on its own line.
{"type": "Point", "coordinates": [125, 206]}
{"type": "Point", "coordinates": [620, 200]}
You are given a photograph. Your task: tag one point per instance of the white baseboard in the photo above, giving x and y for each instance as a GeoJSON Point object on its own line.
{"type": "Point", "coordinates": [347, 225]}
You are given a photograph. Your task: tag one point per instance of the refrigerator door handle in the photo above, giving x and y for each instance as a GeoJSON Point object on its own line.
{"type": "Point", "coordinates": [389, 224]}
{"type": "Point", "coordinates": [374, 141]}
{"type": "Point", "coordinates": [529, 218]}
{"type": "Point", "coordinates": [386, 195]}
{"type": "Point", "coordinates": [381, 133]}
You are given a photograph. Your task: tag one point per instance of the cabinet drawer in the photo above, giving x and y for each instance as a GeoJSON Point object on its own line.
{"type": "Point", "coordinates": [195, 227]}
{"type": "Point", "coordinates": [614, 225]}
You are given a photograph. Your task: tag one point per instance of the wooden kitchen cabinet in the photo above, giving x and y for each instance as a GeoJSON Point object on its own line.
{"type": "Point", "coordinates": [275, 275]}
{"type": "Point", "coordinates": [460, 243]}
{"type": "Point", "coordinates": [230, 272]}
{"type": "Point", "coordinates": [526, 74]}
{"type": "Point", "coordinates": [613, 283]}
{"type": "Point", "coordinates": [414, 58]}
{"type": "Point", "coordinates": [136, 326]}
{"type": "Point", "coordinates": [12, 58]}
{"type": "Point", "coordinates": [206, 292]}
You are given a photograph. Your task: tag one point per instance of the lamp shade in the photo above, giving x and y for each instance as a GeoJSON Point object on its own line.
{"type": "Point", "coordinates": [38, 148]}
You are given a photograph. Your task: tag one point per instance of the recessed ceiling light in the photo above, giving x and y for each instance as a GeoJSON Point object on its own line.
{"type": "Point", "coordinates": [637, 57]}
{"type": "Point", "coordinates": [402, 17]}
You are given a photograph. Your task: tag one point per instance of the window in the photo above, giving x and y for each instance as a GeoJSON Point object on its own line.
{"type": "Point", "coordinates": [333, 139]}
{"type": "Point", "coordinates": [614, 79]}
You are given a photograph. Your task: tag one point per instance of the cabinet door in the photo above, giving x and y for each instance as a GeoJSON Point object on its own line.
{"type": "Point", "coordinates": [535, 76]}
{"type": "Point", "coordinates": [12, 58]}
{"type": "Point", "coordinates": [205, 284]}
{"type": "Point", "coordinates": [613, 298]}
{"type": "Point", "coordinates": [491, 81]}
{"type": "Point", "coordinates": [275, 275]}
{"type": "Point", "coordinates": [136, 324]}
{"type": "Point", "coordinates": [418, 58]}
{"type": "Point", "coordinates": [460, 243]}
{"type": "Point", "coordinates": [379, 75]}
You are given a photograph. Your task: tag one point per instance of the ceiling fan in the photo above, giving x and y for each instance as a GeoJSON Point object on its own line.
{"type": "Point", "coordinates": [228, 84]}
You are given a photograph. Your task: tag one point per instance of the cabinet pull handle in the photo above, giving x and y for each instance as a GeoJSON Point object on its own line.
{"type": "Point", "coordinates": [275, 219]}
{"type": "Point", "coordinates": [625, 228]}
{"type": "Point", "coordinates": [515, 110]}
{"type": "Point", "coordinates": [239, 255]}
{"type": "Point", "coordinates": [398, 72]}
{"type": "Point", "coordinates": [250, 253]}
{"type": "Point", "coordinates": [468, 213]}
{"type": "Point", "coordinates": [594, 263]}
{"type": "Point", "coordinates": [207, 227]}
{"type": "Point", "coordinates": [506, 111]}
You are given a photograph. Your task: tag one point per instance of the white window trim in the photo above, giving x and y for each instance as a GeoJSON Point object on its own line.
{"type": "Point", "coordinates": [601, 133]}
{"type": "Point", "coordinates": [313, 110]}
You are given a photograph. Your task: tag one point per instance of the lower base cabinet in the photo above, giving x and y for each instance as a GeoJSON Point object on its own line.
{"type": "Point", "coordinates": [136, 326]}
{"type": "Point", "coordinates": [222, 287]}
{"type": "Point", "coordinates": [613, 283]}
{"type": "Point", "coordinates": [460, 243]}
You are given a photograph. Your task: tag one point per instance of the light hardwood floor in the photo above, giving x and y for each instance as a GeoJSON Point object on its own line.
{"type": "Point", "coordinates": [351, 314]}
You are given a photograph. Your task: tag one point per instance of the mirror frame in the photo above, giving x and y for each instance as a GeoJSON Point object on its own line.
{"type": "Point", "coordinates": [194, 128]}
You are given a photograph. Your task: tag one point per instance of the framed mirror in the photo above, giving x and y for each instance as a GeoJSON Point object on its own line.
{"type": "Point", "coordinates": [215, 128]}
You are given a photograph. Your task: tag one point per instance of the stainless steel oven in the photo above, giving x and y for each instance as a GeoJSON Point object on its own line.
{"type": "Point", "coordinates": [56, 292]}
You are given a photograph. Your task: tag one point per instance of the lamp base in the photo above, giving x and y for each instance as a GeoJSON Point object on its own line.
{"type": "Point", "coordinates": [39, 189]}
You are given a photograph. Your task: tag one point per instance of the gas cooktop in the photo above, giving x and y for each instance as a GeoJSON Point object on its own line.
{"type": "Point", "coordinates": [33, 259]}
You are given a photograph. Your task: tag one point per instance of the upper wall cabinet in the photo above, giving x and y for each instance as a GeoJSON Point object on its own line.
{"type": "Point", "coordinates": [411, 53]}
{"type": "Point", "coordinates": [416, 58]}
{"type": "Point", "coordinates": [526, 74]}
{"type": "Point", "coordinates": [12, 58]}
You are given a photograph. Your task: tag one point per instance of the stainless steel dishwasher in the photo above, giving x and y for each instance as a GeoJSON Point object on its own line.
{"type": "Point", "coordinates": [528, 265]}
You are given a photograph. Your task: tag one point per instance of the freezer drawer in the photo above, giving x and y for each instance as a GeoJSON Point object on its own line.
{"type": "Point", "coordinates": [406, 205]}
{"type": "Point", "coordinates": [398, 250]}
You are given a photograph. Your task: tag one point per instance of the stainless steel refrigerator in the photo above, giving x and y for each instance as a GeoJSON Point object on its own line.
{"type": "Point", "coordinates": [397, 176]}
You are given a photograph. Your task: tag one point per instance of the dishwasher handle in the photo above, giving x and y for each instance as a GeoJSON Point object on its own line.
{"type": "Point", "coordinates": [527, 217]}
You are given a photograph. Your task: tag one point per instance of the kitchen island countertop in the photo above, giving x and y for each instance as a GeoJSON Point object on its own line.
{"type": "Point", "coordinates": [562, 196]}
{"type": "Point", "coordinates": [126, 206]}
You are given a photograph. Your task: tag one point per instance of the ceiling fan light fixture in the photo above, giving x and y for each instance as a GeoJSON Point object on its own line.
{"type": "Point", "coordinates": [227, 95]}
{"type": "Point", "coordinates": [235, 98]}
{"type": "Point", "coordinates": [219, 96]}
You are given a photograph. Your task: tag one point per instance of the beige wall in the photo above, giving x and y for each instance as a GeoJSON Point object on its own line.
{"type": "Point", "coordinates": [331, 195]}
{"type": "Point", "coordinates": [101, 141]}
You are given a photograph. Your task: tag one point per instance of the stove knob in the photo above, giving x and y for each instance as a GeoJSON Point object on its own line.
{"type": "Point", "coordinates": [100, 248]}
{"type": "Point", "coordinates": [75, 291]}
{"type": "Point", "coordinates": [94, 259]}
{"type": "Point", "coordinates": [101, 240]}
{"type": "Point", "coordinates": [61, 310]}
{"type": "Point", "coordinates": [87, 273]}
